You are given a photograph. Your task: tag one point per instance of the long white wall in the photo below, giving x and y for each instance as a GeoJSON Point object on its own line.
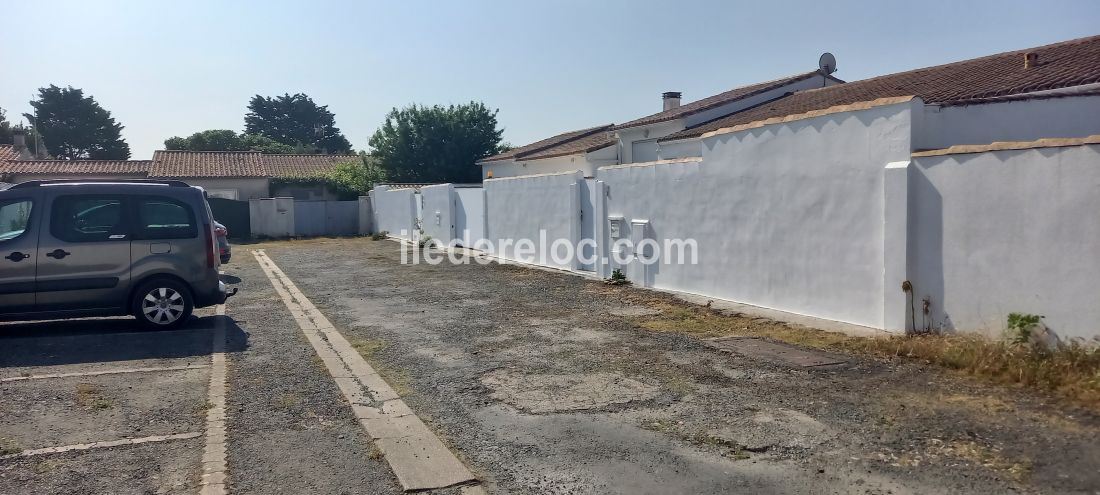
{"type": "Point", "coordinates": [525, 207]}
{"type": "Point", "coordinates": [395, 211]}
{"type": "Point", "coordinates": [1007, 231]}
{"type": "Point", "coordinates": [1027, 120]}
{"type": "Point", "coordinates": [787, 216]}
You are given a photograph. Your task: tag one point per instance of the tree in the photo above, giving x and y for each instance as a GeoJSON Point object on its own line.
{"type": "Point", "coordinates": [5, 128]}
{"type": "Point", "coordinates": [226, 140]}
{"type": "Point", "coordinates": [74, 126]}
{"type": "Point", "coordinates": [356, 177]}
{"type": "Point", "coordinates": [437, 143]}
{"type": "Point", "coordinates": [295, 120]}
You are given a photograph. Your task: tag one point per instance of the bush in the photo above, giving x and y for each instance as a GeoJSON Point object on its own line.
{"type": "Point", "coordinates": [378, 236]}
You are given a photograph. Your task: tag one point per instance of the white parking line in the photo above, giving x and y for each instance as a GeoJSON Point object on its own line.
{"type": "Point", "coordinates": [416, 455]}
{"type": "Point", "coordinates": [99, 445]}
{"type": "Point", "coordinates": [104, 372]}
{"type": "Point", "coordinates": [214, 455]}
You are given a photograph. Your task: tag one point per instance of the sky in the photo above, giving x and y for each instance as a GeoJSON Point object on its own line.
{"type": "Point", "coordinates": [173, 68]}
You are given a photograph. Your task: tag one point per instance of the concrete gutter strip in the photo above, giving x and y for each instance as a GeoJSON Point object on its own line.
{"type": "Point", "coordinates": [416, 455]}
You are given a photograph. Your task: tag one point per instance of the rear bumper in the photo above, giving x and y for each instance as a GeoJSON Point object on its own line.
{"type": "Point", "coordinates": [210, 298]}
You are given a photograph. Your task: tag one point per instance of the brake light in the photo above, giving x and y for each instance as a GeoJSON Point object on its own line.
{"type": "Point", "coordinates": [208, 233]}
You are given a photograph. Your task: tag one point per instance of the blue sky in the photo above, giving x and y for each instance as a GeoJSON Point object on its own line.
{"type": "Point", "coordinates": [166, 69]}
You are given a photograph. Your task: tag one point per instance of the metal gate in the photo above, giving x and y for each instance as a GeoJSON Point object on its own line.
{"type": "Point", "coordinates": [233, 214]}
{"type": "Point", "coordinates": [314, 218]}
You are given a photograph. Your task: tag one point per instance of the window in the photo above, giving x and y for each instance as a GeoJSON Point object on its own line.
{"type": "Point", "coordinates": [14, 217]}
{"type": "Point", "coordinates": [88, 218]}
{"type": "Point", "coordinates": [164, 218]}
{"type": "Point", "coordinates": [222, 193]}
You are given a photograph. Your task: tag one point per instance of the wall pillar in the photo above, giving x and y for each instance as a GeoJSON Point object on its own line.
{"type": "Point", "coordinates": [895, 302]}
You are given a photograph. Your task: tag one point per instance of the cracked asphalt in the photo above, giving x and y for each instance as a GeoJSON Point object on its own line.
{"type": "Point", "coordinates": [541, 382]}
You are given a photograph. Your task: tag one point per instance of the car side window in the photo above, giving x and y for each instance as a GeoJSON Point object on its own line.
{"type": "Point", "coordinates": [165, 218]}
{"type": "Point", "coordinates": [15, 215]}
{"type": "Point", "coordinates": [85, 218]}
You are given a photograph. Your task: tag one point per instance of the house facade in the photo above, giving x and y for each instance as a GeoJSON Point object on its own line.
{"type": "Point", "coordinates": [239, 175]}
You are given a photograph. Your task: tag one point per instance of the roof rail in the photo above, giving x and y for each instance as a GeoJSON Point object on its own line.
{"type": "Point", "coordinates": [37, 183]}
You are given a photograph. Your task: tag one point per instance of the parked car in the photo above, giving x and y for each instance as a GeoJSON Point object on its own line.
{"type": "Point", "coordinates": [224, 250]}
{"type": "Point", "coordinates": [78, 248]}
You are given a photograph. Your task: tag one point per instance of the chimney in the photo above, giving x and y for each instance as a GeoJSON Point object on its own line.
{"type": "Point", "coordinates": [18, 138]}
{"type": "Point", "coordinates": [1031, 60]}
{"type": "Point", "coordinates": [671, 99]}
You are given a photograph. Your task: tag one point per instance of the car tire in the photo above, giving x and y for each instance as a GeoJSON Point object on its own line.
{"type": "Point", "coordinates": [162, 304]}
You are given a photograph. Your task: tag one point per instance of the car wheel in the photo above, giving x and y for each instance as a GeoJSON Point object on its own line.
{"type": "Point", "coordinates": [162, 304]}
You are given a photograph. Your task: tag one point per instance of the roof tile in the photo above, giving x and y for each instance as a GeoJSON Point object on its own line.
{"type": "Point", "coordinates": [76, 167]}
{"type": "Point", "coordinates": [1060, 65]}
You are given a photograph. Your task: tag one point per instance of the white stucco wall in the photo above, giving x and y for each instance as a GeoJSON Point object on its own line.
{"type": "Point", "coordinates": [787, 216]}
{"type": "Point", "coordinates": [1008, 231]}
{"type": "Point", "coordinates": [395, 211]}
{"type": "Point", "coordinates": [1027, 120]}
{"type": "Point", "coordinates": [521, 207]}
{"type": "Point", "coordinates": [438, 212]}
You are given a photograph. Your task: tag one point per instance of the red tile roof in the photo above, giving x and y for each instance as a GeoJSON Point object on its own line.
{"type": "Point", "coordinates": [550, 142]}
{"type": "Point", "coordinates": [585, 144]}
{"type": "Point", "coordinates": [207, 164]}
{"type": "Point", "coordinates": [303, 165]}
{"type": "Point", "coordinates": [7, 152]}
{"type": "Point", "coordinates": [75, 167]}
{"type": "Point", "coordinates": [719, 100]}
{"type": "Point", "coordinates": [1060, 65]}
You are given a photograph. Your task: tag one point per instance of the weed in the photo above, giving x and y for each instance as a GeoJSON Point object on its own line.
{"type": "Point", "coordinates": [8, 446]}
{"type": "Point", "coordinates": [379, 236]}
{"type": "Point", "coordinates": [1070, 370]}
{"type": "Point", "coordinates": [89, 397]}
{"type": "Point", "coordinates": [375, 453]}
{"type": "Point", "coordinates": [618, 278]}
{"type": "Point", "coordinates": [45, 466]}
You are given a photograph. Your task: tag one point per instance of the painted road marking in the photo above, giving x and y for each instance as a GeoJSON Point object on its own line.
{"type": "Point", "coordinates": [105, 372]}
{"type": "Point", "coordinates": [100, 445]}
{"type": "Point", "coordinates": [213, 457]}
{"type": "Point", "coordinates": [416, 455]}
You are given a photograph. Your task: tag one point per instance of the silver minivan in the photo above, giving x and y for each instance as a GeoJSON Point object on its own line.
{"type": "Point", "coordinates": [72, 248]}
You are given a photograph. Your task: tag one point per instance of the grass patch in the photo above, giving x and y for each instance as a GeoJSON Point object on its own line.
{"type": "Point", "coordinates": [1071, 372]}
{"type": "Point", "coordinates": [375, 453]}
{"type": "Point", "coordinates": [398, 379]}
{"type": "Point", "coordinates": [8, 446]}
{"type": "Point", "coordinates": [90, 398]}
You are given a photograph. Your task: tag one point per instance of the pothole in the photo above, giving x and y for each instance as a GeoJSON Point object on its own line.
{"type": "Point", "coordinates": [780, 428]}
{"type": "Point", "coordinates": [540, 394]}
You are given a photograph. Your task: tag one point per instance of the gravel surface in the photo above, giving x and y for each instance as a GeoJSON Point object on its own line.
{"type": "Point", "coordinates": [542, 384]}
{"type": "Point", "coordinates": [290, 429]}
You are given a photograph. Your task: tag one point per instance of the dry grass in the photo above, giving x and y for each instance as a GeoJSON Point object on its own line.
{"type": "Point", "coordinates": [375, 453]}
{"type": "Point", "coordinates": [399, 380]}
{"type": "Point", "coordinates": [89, 397]}
{"type": "Point", "coordinates": [8, 446]}
{"type": "Point", "coordinates": [1071, 372]}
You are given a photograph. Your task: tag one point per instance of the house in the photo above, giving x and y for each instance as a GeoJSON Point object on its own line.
{"type": "Point", "coordinates": [584, 150]}
{"type": "Point", "coordinates": [238, 175]}
{"type": "Point", "coordinates": [637, 140]}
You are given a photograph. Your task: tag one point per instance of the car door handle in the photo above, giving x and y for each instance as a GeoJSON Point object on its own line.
{"type": "Point", "coordinates": [58, 253]}
{"type": "Point", "coordinates": [17, 256]}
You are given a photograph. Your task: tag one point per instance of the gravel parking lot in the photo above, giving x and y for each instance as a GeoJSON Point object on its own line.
{"type": "Point", "coordinates": [540, 382]}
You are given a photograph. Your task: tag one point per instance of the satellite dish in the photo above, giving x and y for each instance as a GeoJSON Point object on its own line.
{"type": "Point", "coordinates": [827, 63]}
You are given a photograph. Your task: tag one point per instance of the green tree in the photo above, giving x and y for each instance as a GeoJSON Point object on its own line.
{"type": "Point", "coordinates": [295, 120]}
{"type": "Point", "coordinates": [437, 143]}
{"type": "Point", "coordinates": [226, 140]}
{"type": "Point", "coordinates": [5, 128]}
{"type": "Point", "coordinates": [356, 177]}
{"type": "Point", "coordinates": [75, 126]}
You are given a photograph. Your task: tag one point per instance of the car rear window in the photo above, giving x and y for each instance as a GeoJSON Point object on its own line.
{"type": "Point", "coordinates": [165, 218]}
